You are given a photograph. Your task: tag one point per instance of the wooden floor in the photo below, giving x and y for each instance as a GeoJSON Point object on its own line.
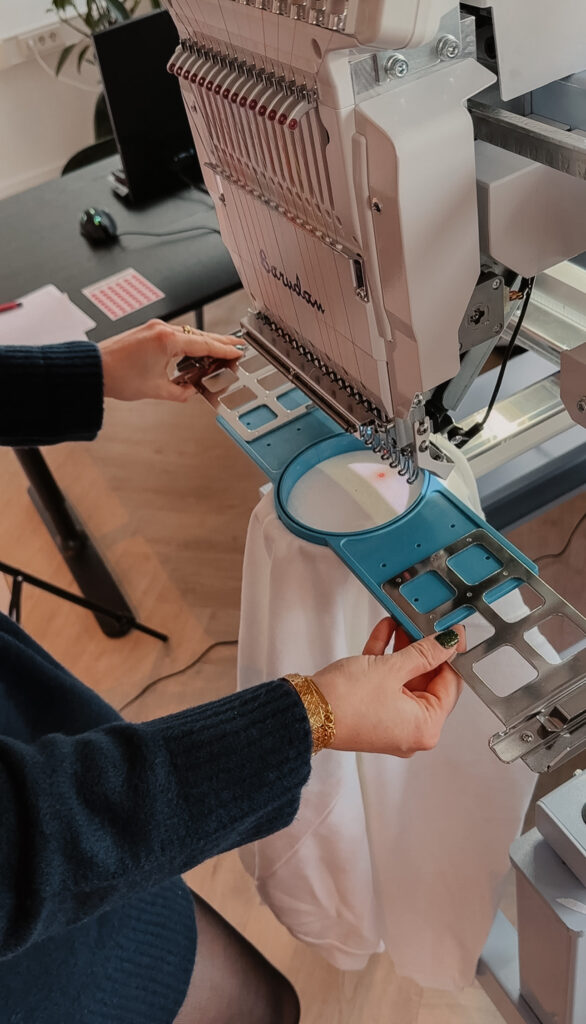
{"type": "Point", "coordinates": [167, 497]}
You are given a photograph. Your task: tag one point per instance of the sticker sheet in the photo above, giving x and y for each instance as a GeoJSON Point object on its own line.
{"type": "Point", "coordinates": [122, 293]}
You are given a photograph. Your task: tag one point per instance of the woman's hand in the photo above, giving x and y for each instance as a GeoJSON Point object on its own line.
{"type": "Point", "coordinates": [135, 363]}
{"type": "Point", "coordinates": [393, 703]}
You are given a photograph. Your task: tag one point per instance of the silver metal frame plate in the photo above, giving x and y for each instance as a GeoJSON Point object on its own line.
{"type": "Point", "coordinates": [257, 381]}
{"type": "Point", "coordinates": [544, 720]}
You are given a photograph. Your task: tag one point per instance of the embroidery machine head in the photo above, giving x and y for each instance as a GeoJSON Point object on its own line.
{"type": "Point", "coordinates": [388, 190]}
{"type": "Point", "coordinates": [384, 247]}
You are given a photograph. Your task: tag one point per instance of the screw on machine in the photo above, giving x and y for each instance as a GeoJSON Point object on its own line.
{"type": "Point", "coordinates": [396, 66]}
{"type": "Point", "coordinates": [448, 47]}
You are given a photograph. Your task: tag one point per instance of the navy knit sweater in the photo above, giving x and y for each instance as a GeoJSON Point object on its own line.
{"type": "Point", "coordinates": [99, 816]}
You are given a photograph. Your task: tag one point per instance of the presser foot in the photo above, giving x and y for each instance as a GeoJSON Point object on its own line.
{"type": "Point", "coordinates": [257, 402]}
{"type": "Point", "coordinates": [409, 459]}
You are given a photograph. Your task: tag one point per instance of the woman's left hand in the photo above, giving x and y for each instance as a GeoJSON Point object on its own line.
{"type": "Point", "coordinates": [393, 703]}
{"type": "Point", "coordinates": [135, 363]}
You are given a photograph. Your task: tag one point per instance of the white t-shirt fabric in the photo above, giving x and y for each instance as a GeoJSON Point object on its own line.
{"type": "Point", "coordinates": [404, 855]}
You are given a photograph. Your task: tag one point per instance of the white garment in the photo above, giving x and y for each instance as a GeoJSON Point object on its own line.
{"type": "Point", "coordinates": [384, 853]}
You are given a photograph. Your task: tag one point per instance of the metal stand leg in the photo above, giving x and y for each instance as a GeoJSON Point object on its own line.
{"type": "Point", "coordinates": [538, 975]}
{"type": "Point", "coordinates": [85, 564]}
{"type": "Point", "coordinates": [498, 973]}
{"type": "Point", "coordinates": [14, 608]}
{"type": "Point", "coordinates": [20, 578]}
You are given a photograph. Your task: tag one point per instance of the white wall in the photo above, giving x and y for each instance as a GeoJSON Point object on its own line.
{"type": "Point", "coordinates": [22, 15]}
{"type": "Point", "coordinates": [43, 120]}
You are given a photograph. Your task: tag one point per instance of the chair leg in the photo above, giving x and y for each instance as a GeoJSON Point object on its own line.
{"type": "Point", "coordinates": [199, 318]}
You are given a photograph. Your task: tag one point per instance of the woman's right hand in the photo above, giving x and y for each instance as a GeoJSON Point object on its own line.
{"type": "Point", "coordinates": [393, 703]}
{"type": "Point", "coordinates": [135, 363]}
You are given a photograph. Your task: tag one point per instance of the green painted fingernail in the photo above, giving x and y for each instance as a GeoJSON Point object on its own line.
{"type": "Point", "coordinates": [449, 638]}
{"type": "Point", "coordinates": [241, 348]}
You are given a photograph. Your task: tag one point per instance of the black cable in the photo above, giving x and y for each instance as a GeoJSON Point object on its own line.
{"type": "Point", "coordinates": [196, 186]}
{"type": "Point", "coordinates": [178, 672]}
{"type": "Point", "coordinates": [200, 190]}
{"type": "Point", "coordinates": [509, 349]}
{"type": "Point", "coordinates": [562, 551]}
{"type": "Point", "coordinates": [189, 160]}
{"type": "Point", "coordinates": [461, 437]}
{"type": "Point", "coordinates": [167, 234]}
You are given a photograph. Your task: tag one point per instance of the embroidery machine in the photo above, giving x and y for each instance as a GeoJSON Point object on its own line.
{"type": "Point", "coordinates": [395, 181]}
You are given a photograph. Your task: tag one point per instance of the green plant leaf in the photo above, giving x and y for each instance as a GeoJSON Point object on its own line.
{"type": "Point", "coordinates": [81, 55]}
{"type": "Point", "coordinates": [101, 22]}
{"type": "Point", "coordinates": [63, 56]}
{"type": "Point", "coordinates": [95, 15]}
{"type": "Point", "coordinates": [89, 18]}
{"type": "Point", "coordinates": [68, 12]}
{"type": "Point", "coordinates": [118, 9]}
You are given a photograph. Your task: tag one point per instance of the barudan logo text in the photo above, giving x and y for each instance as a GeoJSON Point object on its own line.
{"type": "Point", "coordinates": [293, 286]}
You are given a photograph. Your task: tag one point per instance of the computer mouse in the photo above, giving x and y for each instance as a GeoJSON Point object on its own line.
{"type": "Point", "coordinates": [98, 226]}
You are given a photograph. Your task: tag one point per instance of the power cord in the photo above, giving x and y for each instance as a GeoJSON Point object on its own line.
{"type": "Point", "coordinates": [196, 186]}
{"type": "Point", "coordinates": [460, 437]}
{"type": "Point", "coordinates": [167, 234]}
{"type": "Point", "coordinates": [562, 551]}
{"type": "Point", "coordinates": [178, 672]}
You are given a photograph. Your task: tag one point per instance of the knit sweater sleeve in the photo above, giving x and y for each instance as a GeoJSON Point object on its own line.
{"type": "Point", "coordinates": [50, 393]}
{"type": "Point", "coordinates": [88, 820]}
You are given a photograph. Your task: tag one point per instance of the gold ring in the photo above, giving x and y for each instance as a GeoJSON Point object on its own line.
{"type": "Point", "coordinates": [188, 329]}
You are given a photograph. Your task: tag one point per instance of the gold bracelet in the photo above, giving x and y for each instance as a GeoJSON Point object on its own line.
{"type": "Point", "coordinates": [319, 712]}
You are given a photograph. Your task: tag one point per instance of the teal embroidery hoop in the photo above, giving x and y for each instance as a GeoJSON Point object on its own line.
{"type": "Point", "coordinates": [433, 523]}
{"type": "Point", "coordinates": [431, 567]}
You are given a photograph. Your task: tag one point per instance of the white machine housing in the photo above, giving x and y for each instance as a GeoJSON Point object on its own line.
{"type": "Point", "coordinates": [336, 141]}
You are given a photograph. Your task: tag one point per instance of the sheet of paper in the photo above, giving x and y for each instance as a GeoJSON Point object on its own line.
{"type": "Point", "coordinates": [47, 316]}
{"type": "Point", "coordinates": [123, 293]}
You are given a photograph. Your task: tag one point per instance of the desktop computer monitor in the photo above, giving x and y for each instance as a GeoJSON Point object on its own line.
{"type": "Point", "coordinates": [146, 109]}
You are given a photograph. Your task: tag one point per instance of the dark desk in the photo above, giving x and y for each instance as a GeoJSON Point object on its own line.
{"type": "Point", "coordinates": [41, 244]}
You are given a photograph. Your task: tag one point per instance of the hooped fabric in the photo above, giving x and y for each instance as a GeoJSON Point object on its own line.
{"type": "Point", "coordinates": [408, 856]}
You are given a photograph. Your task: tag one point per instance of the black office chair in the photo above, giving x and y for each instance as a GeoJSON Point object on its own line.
{"type": "Point", "coordinates": [90, 154]}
